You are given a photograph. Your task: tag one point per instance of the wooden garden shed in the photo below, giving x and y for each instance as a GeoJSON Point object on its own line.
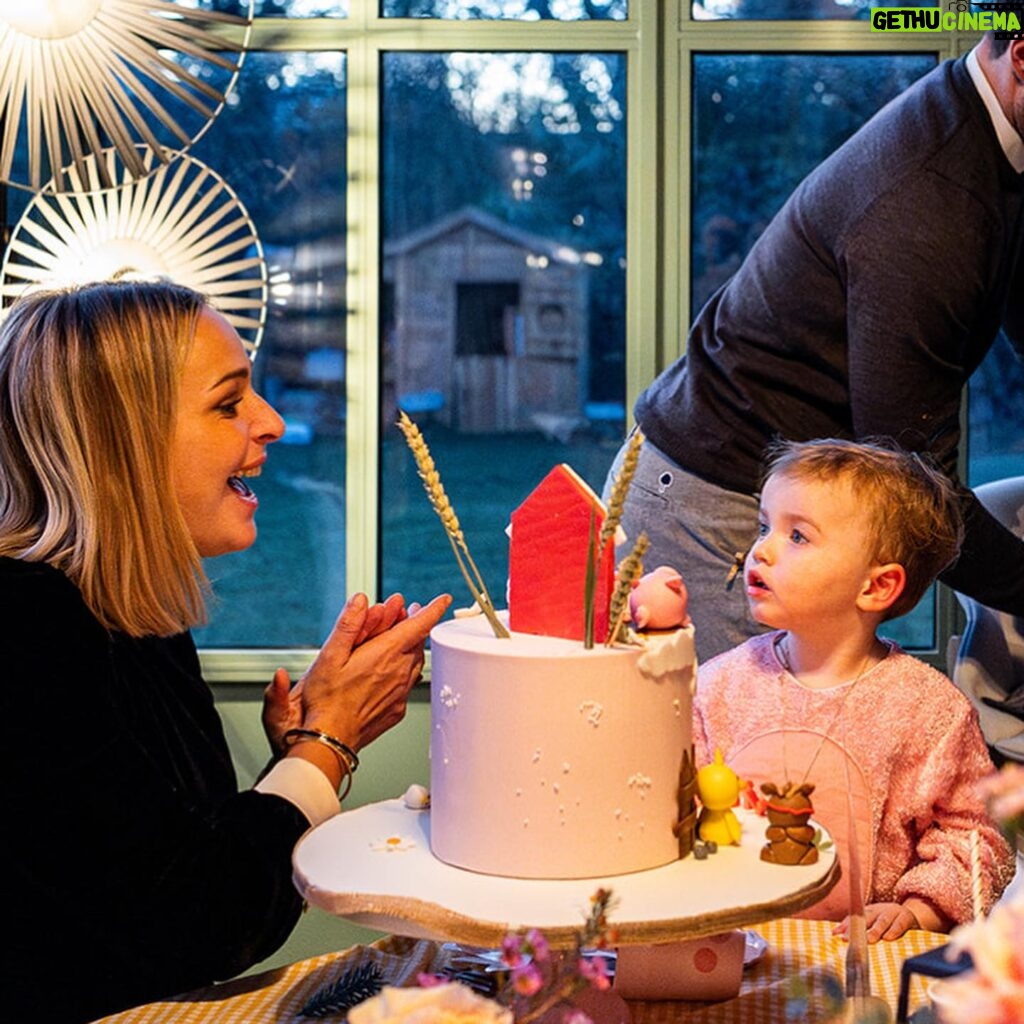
{"type": "Point", "coordinates": [485, 326]}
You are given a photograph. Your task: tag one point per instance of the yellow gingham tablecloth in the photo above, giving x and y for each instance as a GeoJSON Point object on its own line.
{"type": "Point", "coordinates": [800, 955]}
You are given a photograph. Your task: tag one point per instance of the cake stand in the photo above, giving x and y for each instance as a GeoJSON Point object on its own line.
{"type": "Point", "coordinates": [373, 865]}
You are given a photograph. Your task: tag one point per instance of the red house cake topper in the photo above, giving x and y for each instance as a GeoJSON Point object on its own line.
{"type": "Point", "coordinates": [550, 540]}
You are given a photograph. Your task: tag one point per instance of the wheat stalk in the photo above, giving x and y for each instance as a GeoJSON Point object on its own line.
{"type": "Point", "coordinates": [630, 571]}
{"type": "Point", "coordinates": [620, 487]}
{"type": "Point", "coordinates": [449, 520]}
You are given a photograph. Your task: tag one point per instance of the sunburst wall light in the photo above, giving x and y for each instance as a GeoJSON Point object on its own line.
{"type": "Point", "coordinates": [80, 76]}
{"type": "Point", "coordinates": [182, 222]}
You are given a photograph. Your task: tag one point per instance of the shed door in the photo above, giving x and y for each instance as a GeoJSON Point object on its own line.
{"type": "Point", "coordinates": [485, 384]}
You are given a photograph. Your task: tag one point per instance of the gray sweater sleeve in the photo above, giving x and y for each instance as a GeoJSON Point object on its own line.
{"type": "Point", "coordinates": [909, 319]}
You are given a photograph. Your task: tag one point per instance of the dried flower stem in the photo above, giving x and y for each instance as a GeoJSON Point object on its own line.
{"type": "Point", "coordinates": [596, 934]}
{"type": "Point", "coordinates": [620, 487]}
{"type": "Point", "coordinates": [630, 571]}
{"type": "Point", "coordinates": [443, 507]}
{"type": "Point", "coordinates": [569, 987]}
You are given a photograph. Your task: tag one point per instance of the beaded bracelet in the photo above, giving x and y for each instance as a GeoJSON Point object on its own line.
{"type": "Point", "coordinates": [346, 755]}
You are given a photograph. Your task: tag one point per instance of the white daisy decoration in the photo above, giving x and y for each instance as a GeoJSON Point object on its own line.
{"type": "Point", "coordinates": [393, 844]}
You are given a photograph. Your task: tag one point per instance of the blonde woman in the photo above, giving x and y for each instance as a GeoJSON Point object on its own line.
{"type": "Point", "coordinates": [133, 867]}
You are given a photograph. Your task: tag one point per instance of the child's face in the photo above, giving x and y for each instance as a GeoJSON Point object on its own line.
{"type": "Point", "coordinates": [813, 556]}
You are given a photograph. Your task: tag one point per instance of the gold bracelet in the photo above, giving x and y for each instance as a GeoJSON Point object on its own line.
{"type": "Point", "coordinates": [345, 754]}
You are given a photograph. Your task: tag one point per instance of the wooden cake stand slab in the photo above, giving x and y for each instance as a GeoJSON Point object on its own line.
{"type": "Point", "coordinates": [373, 865]}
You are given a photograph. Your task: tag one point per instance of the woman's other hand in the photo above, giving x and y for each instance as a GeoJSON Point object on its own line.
{"type": "Point", "coordinates": [282, 709]}
{"type": "Point", "coordinates": [357, 687]}
{"type": "Point", "coordinates": [282, 701]}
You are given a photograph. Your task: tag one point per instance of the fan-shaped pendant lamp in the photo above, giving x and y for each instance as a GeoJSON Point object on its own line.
{"type": "Point", "coordinates": [80, 76]}
{"type": "Point", "coordinates": [182, 222]}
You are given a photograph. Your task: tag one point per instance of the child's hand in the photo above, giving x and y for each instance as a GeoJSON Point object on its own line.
{"type": "Point", "coordinates": [887, 921]}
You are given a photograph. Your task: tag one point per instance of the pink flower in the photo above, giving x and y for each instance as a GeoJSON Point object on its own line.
{"type": "Point", "coordinates": [1004, 792]}
{"type": "Point", "coordinates": [993, 992]}
{"type": "Point", "coordinates": [996, 944]}
{"type": "Point", "coordinates": [425, 980]}
{"type": "Point", "coordinates": [576, 1016]}
{"type": "Point", "coordinates": [595, 970]}
{"type": "Point", "coordinates": [538, 945]}
{"type": "Point", "coordinates": [527, 979]}
{"type": "Point", "coordinates": [968, 999]}
{"type": "Point", "coordinates": [512, 950]}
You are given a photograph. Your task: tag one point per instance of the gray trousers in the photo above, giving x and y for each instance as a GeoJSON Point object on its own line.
{"type": "Point", "coordinates": [700, 530]}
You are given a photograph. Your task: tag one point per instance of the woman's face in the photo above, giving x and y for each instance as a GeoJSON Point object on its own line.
{"type": "Point", "coordinates": [219, 440]}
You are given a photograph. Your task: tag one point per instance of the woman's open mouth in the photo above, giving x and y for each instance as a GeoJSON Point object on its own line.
{"type": "Point", "coordinates": [238, 482]}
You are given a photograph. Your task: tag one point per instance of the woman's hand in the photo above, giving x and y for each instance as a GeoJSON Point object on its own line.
{"type": "Point", "coordinates": [357, 687]}
{"type": "Point", "coordinates": [381, 617]}
{"type": "Point", "coordinates": [282, 702]}
{"type": "Point", "coordinates": [282, 709]}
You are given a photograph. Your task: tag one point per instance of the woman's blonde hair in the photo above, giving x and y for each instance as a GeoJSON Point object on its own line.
{"type": "Point", "coordinates": [89, 381]}
{"type": "Point", "coordinates": [912, 507]}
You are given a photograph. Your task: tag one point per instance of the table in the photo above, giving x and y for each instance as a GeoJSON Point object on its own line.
{"type": "Point", "coordinates": [799, 953]}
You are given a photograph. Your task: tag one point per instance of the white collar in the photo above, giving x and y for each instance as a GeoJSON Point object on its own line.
{"type": "Point", "coordinates": [1012, 143]}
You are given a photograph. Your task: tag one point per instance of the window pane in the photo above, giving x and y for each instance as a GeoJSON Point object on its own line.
{"type": "Point", "coordinates": [748, 157]}
{"type": "Point", "coordinates": [995, 450]}
{"type": "Point", "coordinates": [795, 10]}
{"type": "Point", "coordinates": [996, 441]}
{"type": "Point", "coordinates": [281, 147]}
{"type": "Point", "coordinates": [503, 318]}
{"type": "Point", "coordinates": [509, 10]}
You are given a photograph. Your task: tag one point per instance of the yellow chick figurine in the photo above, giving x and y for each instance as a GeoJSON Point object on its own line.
{"type": "Point", "coordinates": [718, 787]}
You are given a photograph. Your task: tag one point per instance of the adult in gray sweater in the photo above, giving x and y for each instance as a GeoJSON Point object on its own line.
{"type": "Point", "coordinates": [860, 312]}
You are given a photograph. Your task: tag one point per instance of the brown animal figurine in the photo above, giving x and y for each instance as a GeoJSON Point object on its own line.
{"type": "Point", "coordinates": [790, 837]}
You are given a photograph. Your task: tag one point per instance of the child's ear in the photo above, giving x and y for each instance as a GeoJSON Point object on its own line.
{"type": "Point", "coordinates": [882, 587]}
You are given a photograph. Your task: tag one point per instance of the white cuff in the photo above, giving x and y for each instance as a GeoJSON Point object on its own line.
{"type": "Point", "coordinates": [304, 785]}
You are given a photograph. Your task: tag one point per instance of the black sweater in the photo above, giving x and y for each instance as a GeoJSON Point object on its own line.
{"type": "Point", "coordinates": [863, 309]}
{"type": "Point", "coordinates": [132, 867]}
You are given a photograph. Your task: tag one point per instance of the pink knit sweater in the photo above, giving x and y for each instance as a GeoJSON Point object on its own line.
{"type": "Point", "coordinates": [915, 755]}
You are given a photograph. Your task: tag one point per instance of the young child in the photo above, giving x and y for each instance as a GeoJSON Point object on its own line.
{"type": "Point", "coordinates": [851, 535]}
